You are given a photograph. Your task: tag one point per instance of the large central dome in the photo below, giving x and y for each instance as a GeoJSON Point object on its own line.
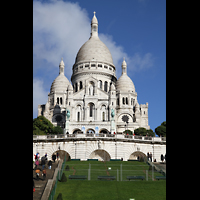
{"type": "Point", "coordinates": [94, 49]}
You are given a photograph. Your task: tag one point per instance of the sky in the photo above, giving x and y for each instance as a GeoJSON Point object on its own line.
{"type": "Point", "coordinates": [134, 29]}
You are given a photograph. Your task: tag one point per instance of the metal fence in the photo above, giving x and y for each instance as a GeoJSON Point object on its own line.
{"type": "Point", "coordinates": [58, 177]}
{"type": "Point", "coordinates": [121, 172]}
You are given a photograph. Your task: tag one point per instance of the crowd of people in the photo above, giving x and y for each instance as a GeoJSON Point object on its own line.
{"type": "Point", "coordinates": [42, 171]}
{"type": "Point", "coordinates": [149, 157]}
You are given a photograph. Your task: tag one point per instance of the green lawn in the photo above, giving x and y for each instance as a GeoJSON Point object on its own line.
{"type": "Point", "coordinates": [110, 190]}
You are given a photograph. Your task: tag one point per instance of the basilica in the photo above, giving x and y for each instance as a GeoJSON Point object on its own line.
{"type": "Point", "coordinates": [95, 101]}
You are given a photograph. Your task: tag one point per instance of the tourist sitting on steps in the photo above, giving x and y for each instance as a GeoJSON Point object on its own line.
{"type": "Point", "coordinates": [37, 171]}
{"type": "Point", "coordinates": [44, 174]}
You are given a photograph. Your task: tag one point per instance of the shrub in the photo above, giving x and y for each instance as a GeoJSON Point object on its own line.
{"type": "Point", "coordinates": [64, 178]}
{"type": "Point", "coordinates": [67, 168]}
{"type": "Point", "coordinates": [60, 197]}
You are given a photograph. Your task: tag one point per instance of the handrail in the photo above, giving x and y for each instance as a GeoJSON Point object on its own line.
{"type": "Point", "coordinates": [100, 135]}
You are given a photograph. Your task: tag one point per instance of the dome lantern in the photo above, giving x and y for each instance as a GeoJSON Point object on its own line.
{"type": "Point", "coordinates": [94, 26]}
{"type": "Point", "coordinates": [61, 67]}
{"type": "Point", "coordinates": [124, 67]}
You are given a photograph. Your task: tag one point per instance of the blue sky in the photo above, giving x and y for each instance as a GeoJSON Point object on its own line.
{"type": "Point", "coordinates": [134, 29]}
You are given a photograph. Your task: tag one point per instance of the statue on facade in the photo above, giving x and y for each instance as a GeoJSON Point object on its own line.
{"type": "Point", "coordinates": [68, 114]}
{"type": "Point", "coordinates": [112, 113]}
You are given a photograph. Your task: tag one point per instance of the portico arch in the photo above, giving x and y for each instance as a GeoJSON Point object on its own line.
{"type": "Point", "coordinates": [90, 130]}
{"type": "Point", "coordinates": [100, 154]}
{"type": "Point", "coordinates": [134, 155]}
{"type": "Point", "coordinates": [62, 154]}
{"type": "Point", "coordinates": [103, 130]}
{"type": "Point", "coordinates": [75, 131]}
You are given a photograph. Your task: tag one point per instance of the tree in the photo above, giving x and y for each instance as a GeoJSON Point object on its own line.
{"type": "Point", "coordinates": [60, 196]}
{"type": "Point", "coordinates": [150, 133]}
{"type": "Point", "coordinates": [161, 130]}
{"type": "Point", "coordinates": [140, 131]}
{"type": "Point", "coordinates": [128, 132]}
{"type": "Point", "coordinates": [42, 126]}
{"type": "Point", "coordinates": [57, 130]}
{"type": "Point", "coordinates": [164, 123]}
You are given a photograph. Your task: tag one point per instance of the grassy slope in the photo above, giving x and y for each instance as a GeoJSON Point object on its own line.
{"type": "Point", "coordinates": [109, 190]}
{"type": "Point", "coordinates": [112, 190]}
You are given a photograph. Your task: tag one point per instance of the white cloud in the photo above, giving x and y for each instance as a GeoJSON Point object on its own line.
{"type": "Point", "coordinates": [138, 62]}
{"type": "Point", "coordinates": [39, 95]}
{"type": "Point", "coordinates": [59, 30]}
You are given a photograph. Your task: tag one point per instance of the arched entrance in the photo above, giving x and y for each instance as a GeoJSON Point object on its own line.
{"type": "Point", "coordinates": [101, 155]}
{"type": "Point", "coordinates": [62, 154]}
{"type": "Point", "coordinates": [90, 130]}
{"type": "Point", "coordinates": [138, 154]}
{"type": "Point", "coordinates": [75, 131]}
{"type": "Point", "coordinates": [105, 131]}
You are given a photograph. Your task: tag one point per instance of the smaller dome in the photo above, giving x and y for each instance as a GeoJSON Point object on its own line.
{"type": "Point", "coordinates": [60, 84]}
{"type": "Point", "coordinates": [125, 84]}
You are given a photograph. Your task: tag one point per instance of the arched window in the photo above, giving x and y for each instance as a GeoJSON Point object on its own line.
{"type": "Point", "coordinates": [103, 116]}
{"type": "Point", "coordinates": [126, 100]}
{"type": "Point", "coordinates": [81, 85]}
{"type": "Point", "coordinates": [61, 100]}
{"type": "Point", "coordinates": [118, 101]}
{"type": "Point", "coordinates": [57, 100]}
{"type": "Point", "coordinates": [78, 116]}
{"type": "Point", "coordinates": [100, 84]}
{"type": "Point", "coordinates": [91, 109]}
{"type": "Point", "coordinates": [76, 87]}
{"type": "Point", "coordinates": [123, 100]}
{"type": "Point", "coordinates": [106, 86]}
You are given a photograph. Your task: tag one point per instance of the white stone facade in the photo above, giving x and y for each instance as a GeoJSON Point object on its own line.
{"type": "Point", "coordinates": [100, 148]}
{"type": "Point", "coordinates": [93, 92]}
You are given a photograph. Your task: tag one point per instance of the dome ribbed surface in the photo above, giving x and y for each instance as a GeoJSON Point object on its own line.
{"type": "Point", "coordinates": [94, 50]}
{"type": "Point", "coordinates": [60, 84]}
{"type": "Point", "coordinates": [125, 84]}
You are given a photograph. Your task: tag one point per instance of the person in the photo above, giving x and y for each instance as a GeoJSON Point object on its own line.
{"type": "Point", "coordinates": [43, 162]}
{"type": "Point", "coordinates": [150, 155]}
{"type": "Point", "coordinates": [36, 164]}
{"type": "Point", "coordinates": [44, 174]}
{"type": "Point", "coordinates": [38, 155]}
{"type": "Point", "coordinates": [49, 164]}
{"type": "Point", "coordinates": [54, 157]}
{"type": "Point", "coordinates": [35, 157]}
{"type": "Point", "coordinates": [37, 171]}
{"type": "Point", "coordinates": [45, 155]}
{"type": "Point", "coordinates": [162, 157]}
{"type": "Point", "coordinates": [57, 155]}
